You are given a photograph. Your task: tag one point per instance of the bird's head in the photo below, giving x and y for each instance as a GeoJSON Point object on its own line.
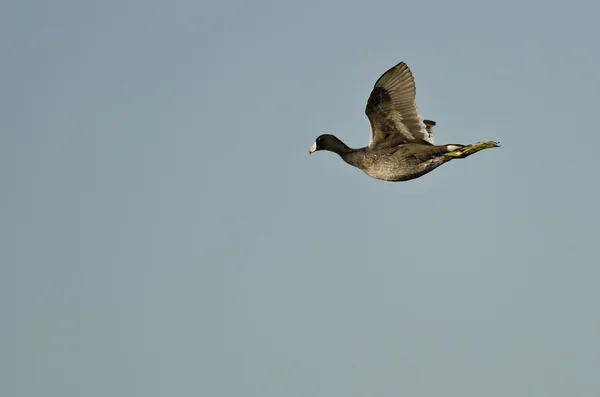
{"type": "Point", "coordinates": [328, 142]}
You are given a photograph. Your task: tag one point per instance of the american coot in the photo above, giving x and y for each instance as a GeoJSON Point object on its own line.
{"type": "Point", "coordinates": [401, 145]}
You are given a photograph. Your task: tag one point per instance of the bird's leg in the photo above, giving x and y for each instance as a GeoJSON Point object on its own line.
{"type": "Point", "coordinates": [471, 149]}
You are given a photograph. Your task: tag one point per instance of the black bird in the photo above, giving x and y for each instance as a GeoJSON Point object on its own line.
{"type": "Point", "coordinates": [401, 146]}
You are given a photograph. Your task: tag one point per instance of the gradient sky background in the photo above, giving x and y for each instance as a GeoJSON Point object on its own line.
{"type": "Point", "coordinates": [165, 233]}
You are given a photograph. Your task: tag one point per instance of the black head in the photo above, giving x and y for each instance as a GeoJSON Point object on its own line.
{"type": "Point", "coordinates": [328, 142]}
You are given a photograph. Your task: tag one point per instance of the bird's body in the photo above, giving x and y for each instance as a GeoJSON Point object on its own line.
{"type": "Point", "coordinates": [397, 163]}
{"type": "Point", "coordinates": [402, 145]}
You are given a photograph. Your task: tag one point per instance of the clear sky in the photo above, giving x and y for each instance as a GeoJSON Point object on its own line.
{"type": "Point", "coordinates": [164, 232]}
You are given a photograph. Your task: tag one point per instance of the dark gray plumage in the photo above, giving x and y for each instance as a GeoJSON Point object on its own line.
{"type": "Point", "coordinates": [402, 143]}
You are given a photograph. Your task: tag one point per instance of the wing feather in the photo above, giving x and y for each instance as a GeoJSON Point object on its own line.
{"type": "Point", "coordinates": [392, 111]}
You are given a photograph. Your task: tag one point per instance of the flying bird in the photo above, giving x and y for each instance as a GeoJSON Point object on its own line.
{"type": "Point", "coordinates": [401, 145]}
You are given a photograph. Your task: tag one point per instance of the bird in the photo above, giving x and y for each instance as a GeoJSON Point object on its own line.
{"type": "Point", "coordinates": [401, 145]}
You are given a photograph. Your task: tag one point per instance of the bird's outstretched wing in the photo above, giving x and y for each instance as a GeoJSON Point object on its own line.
{"type": "Point", "coordinates": [392, 112]}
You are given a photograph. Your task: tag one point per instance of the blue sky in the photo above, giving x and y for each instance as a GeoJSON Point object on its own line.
{"type": "Point", "coordinates": [164, 232]}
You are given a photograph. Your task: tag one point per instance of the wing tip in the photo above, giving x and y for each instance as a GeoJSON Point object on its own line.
{"type": "Point", "coordinates": [400, 68]}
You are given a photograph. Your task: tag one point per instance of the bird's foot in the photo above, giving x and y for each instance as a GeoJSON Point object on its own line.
{"type": "Point", "coordinates": [472, 149]}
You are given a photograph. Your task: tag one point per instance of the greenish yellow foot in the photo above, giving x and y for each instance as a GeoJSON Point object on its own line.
{"type": "Point", "coordinates": [471, 149]}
